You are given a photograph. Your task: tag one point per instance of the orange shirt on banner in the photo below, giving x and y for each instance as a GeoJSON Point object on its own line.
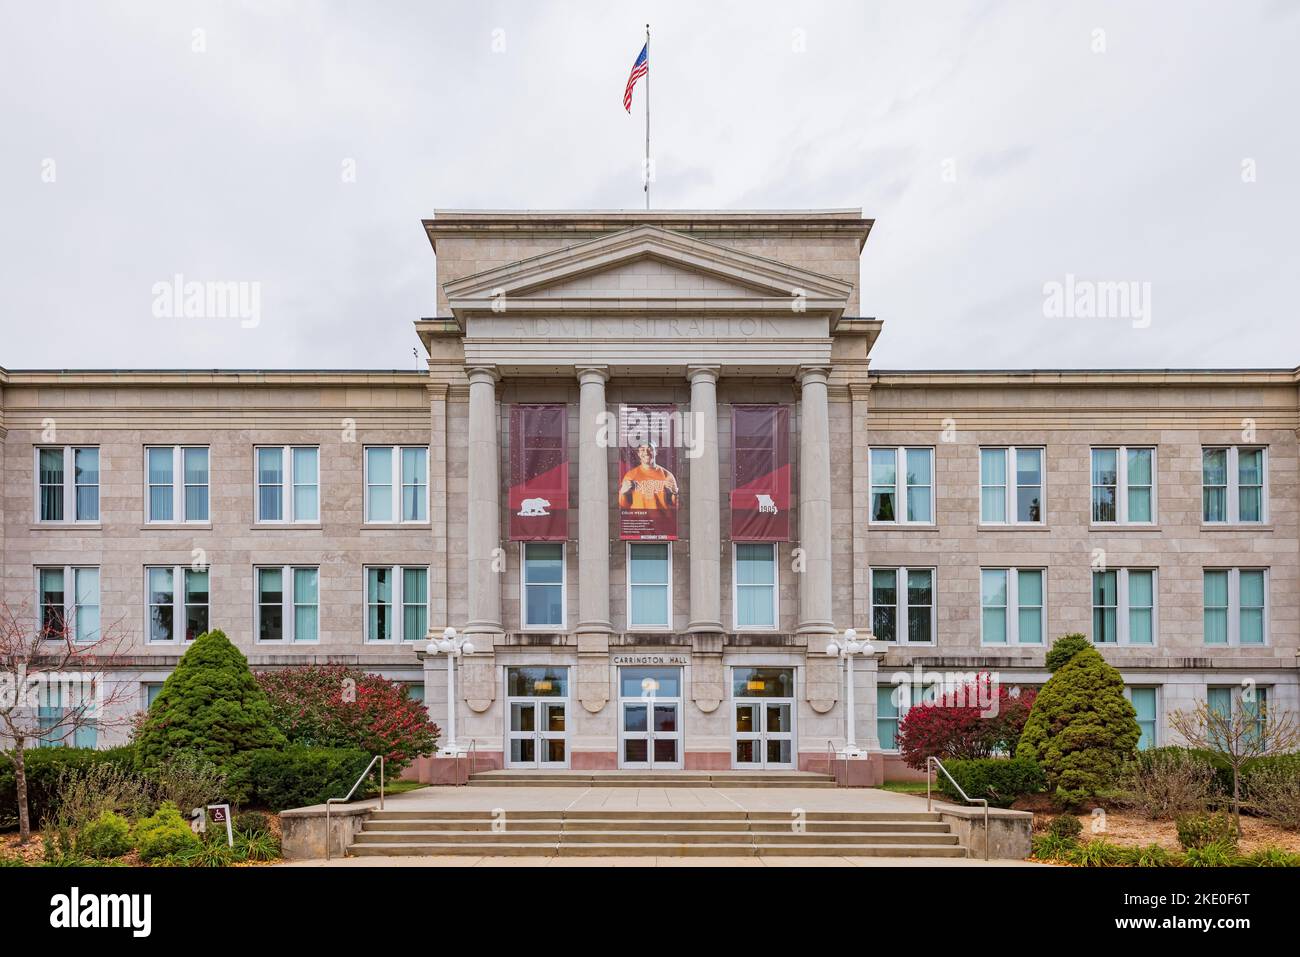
{"type": "Point", "coordinates": [650, 487]}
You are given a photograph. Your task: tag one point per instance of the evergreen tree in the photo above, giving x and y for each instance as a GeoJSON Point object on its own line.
{"type": "Point", "coordinates": [211, 704]}
{"type": "Point", "coordinates": [1081, 730]}
{"type": "Point", "coordinates": [1065, 648]}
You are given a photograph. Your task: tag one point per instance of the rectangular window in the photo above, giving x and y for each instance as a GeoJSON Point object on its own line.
{"type": "Point", "coordinates": [1252, 703]}
{"type": "Point", "coordinates": [1234, 485]}
{"type": "Point", "coordinates": [902, 485]}
{"type": "Point", "coordinates": [891, 705]}
{"type": "Point", "coordinates": [166, 605]}
{"type": "Point", "coordinates": [1123, 486]}
{"type": "Point", "coordinates": [649, 600]}
{"type": "Point", "coordinates": [288, 604]}
{"type": "Point", "coordinates": [1012, 605]}
{"type": "Point", "coordinates": [397, 483]}
{"type": "Point", "coordinates": [65, 714]}
{"type": "Point", "coordinates": [169, 500]}
{"type": "Point", "coordinates": [1011, 486]}
{"type": "Point", "coordinates": [1144, 701]}
{"type": "Point", "coordinates": [397, 603]}
{"type": "Point", "coordinates": [68, 598]}
{"type": "Point", "coordinates": [543, 584]}
{"type": "Point", "coordinates": [151, 690]}
{"type": "Point", "coordinates": [67, 484]}
{"type": "Point", "coordinates": [903, 595]}
{"type": "Point", "coordinates": [288, 483]}
{"type": "Point", "coordinates": [1124, 606]}
{"type": "Point", "coordinates": [1235, 606]}
{"type": "Point", "coordinates": [755, 594]}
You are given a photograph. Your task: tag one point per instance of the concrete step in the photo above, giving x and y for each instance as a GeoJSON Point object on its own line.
{"type": "Point", "coordinates": [553, 849]}
{"type": "Point", "coordinates": [642, 779]}
{"type": "Point", "coordinates": [782, 818]}
{"type": "Point", "coordinates": [476, 782]}
{"type": "Point", "coordinates": [660, 823]}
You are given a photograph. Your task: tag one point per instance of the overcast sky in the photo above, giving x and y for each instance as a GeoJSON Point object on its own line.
{"type": "Point", "coordinates": [999, 147]}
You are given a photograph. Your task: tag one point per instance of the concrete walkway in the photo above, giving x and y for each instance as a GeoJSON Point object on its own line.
{"type": "Point", "coordinates": [658, 862]}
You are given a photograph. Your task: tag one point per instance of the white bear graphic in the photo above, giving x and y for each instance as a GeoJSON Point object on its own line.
{"type": "Point", "coordinates": [765, 503]}
{"type": "Point", "coordinates": [532, 507]}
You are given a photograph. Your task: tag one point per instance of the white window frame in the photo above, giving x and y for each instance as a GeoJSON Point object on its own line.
{"type": "Point", "coordinates": [70, 598]}
{"type": "Point", "coordinates": [1012, 608]}
{"type": "Point", "coordinates": [524, 623]}
{"type": "Point", "coordinates": [1233, 489]}
{"type": "Point", "coordinates": [901, 607]}
{"type": "Point", "coordinates": [1234, 605]}
{"type": "Point", "coordinates": [178, 486]}
{"type": "Point", "coordinates": [776, 590]}
{"type": "Point", "coordinates": [1121, 484]}
{"type": "Point", "coordinates": [901, 486]}
{"type": "Point", "coordinates": [288, 638]}
{"type": "Point", "coordinates": [397, 605]}
{"type": "Point", "coordinates": [69, 485]}
{"type": "Point", "coordinates": [628, 593]}
{"type": "Point", "coordinates": [1012, 487]}
{"type": "Point", "coordinates": [1123, 607]}
{"type": "Point", "coordinates": [287, 482]}
{"type": "Point", "coordinates": [180, 607]}
{"type": "Point", "coordinates": [1157, 737]}
{"type": "Point", "coordinates": [395, 487]}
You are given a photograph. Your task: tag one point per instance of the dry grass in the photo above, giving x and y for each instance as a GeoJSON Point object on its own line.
{"type": "Point", "coordinates": [1132, 830]}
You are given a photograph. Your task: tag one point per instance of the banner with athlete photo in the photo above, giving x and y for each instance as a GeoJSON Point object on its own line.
{"type": "Point", "coordinates": [647, 492]}
{"type": "Point", "coordinates": [539, 473]}
{"type": "Point", "coordinates": [760, 473]}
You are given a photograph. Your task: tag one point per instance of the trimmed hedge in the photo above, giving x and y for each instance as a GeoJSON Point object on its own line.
{"type": "Point", "coordinates": [281, 778]}
{"type": "Point", "coordinates": [1000, 780]}
{"type": "Point", "coordinates": [43, 768]}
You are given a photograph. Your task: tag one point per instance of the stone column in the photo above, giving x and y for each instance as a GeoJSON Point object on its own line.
{"type": "Point", "coordinates": [706, 535]}
{"type": "Point", "coordinates": [594, 627]}
{"type": "Point", "coordinates": [815, 616]}
{"type": "Point", "coordinates": [484, 519]}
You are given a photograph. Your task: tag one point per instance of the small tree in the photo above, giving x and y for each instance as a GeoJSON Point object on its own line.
{"type": "Point", "coordinates": [42, 662]}
{"type": "Point", "coordinates": [211, 704]}
{"type": "Point", "coordinates": [1236, 735]}
{"type": "Point", "coordinates": [969, 722]}
{"type": "Point", "coordinates": [334, 706]}
{"type": "Point", "coordinates": [1081, 729]}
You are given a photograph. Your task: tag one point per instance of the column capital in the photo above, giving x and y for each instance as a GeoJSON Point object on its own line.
{"type": "Point", "coordinates": [481, 374]}
{"type": "Point", "coordinates": [709, 373]}
{"type": "Point", "coordinates": [814, 375]}
{"type": "Point", "coordinates": [588, 374]}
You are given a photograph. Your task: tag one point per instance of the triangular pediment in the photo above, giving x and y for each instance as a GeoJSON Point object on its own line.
{"type": "Point", "coordinates": [647, 268]}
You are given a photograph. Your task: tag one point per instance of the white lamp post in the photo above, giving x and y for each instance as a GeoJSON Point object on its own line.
{"type": "Point", "coordinates": [453, 646]}
{"type": "Point", "coordinates": [849, 647]}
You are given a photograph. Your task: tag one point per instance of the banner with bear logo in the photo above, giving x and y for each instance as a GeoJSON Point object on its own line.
{"type": "Point", "coordinates": [648, 494]}
{"type": "Point", "coordinates": [539, 473]}
{"type": "Point", "coordinates": [760, 473]}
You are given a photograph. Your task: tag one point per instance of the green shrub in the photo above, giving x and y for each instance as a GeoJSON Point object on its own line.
{"type": "Point", "coordinates": [1273, 789]}
{"type": "Point", "coordinates": [1065, 648]}
{"type": "Point", "coordinates": [1000, 780]}
{"type": "Point", "coordinates": [44, 769]}
{"type": "Point", "coordinates": [1272, 857]}
{"type": "Point", "coordinates": [252, 822]}
{"type": "Point", "coordinates": [1065, 825]}
{"type": "Point", "coordinates": [295, 776]}
{"type": "Point", "coordinates": [188, 780]}
{"type": "Point", "coordinates": [109, 835]}
{"type": "Point", "coordinates": [250, 846]}
{"type": "Point", "coordinates": [1202, 830]}
{"type": "Point", "coordinates": [1150, 855]}
{"type": "Point", "coordinates": [212, 704]}
{"type": "Point", "coordinates": [1219, 854]}
{"type": "Point", "coordinates": [1081, 730]}
{"type": "Point", "coordinates": [211, 853]}
{"type": "Point", "coordinates": [1098, 853]}
{"type": "Point", "coordinates": [164, 833]}
{"type": "Point", "coordinates": [1052, 847]}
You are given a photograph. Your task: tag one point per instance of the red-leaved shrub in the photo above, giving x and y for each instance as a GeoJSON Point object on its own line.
{"type": "Point", "coordinates": [954, 725]}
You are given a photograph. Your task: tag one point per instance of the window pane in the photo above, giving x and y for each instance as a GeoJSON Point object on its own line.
{"type": "Point", "coordinates": [270, 479]}
{"type": "Point", "coordinates": [160, 605]}
{"type": "Point", "coordinates": [884, 603]}
{"type": "Point", "coordinates": [887, 718]}
{"type": "Point", "coordinates": [379, 484]}
{"type": "Point", "coordinates": [196, 603]}
{"type": "Point", "coordinates": [414, 469]}
{"type": "Point", "coordinates": [1030, 621]}
{"type": "Point", "coordinates": [919, 484]}
{"type": "Point", "coordinates": [305, 598]}
{"type": "Point", "coordinates": [1105, 602]}
{"type": "Point", "coordinates": [1214, 479]}
{"type": "Point", "coordinates": [755, 606]}
{"type": "Point", "coordinates": [1144, 703]}
{"type": "Point", "coordinates": [1139, 504]}
{"type": "Point", "coordinates": [1029, 504]}
{"type": "Point", "coordinates": [883, 467]}
{"type": "Point", "coordinates": [51, 480]}
{"type": "Point", "coordinates": [883, 485]}
{"type": "Point", "coordinates": [1141, 600]}
{"type": "Point", "coordinates": [87, 599]}
{"type": "Point", "coordinates": [415, 604]}
{"type": "Point", "coordinates": [649, 564]}
{"type": "Point", "coordinates": [993, 480]}
{"type": "Point", "coordinates": [86, 470]}
{"type": "Point", "coordinates": [1251, 586]}
{"type": "Point", "coordinates": [160, 485]}
{"type": "Point", "coordinates": [882, 505]}
{"type": "Point", "coordinates": [1029, 584]}
{"type": "Point", "coordinates": [993, 600]}
{"type": "Point", "coordinates": [920, 585]}
{"type": "Point", "coordinates": [52, 601]}
{"type": "Point", "coordinates": [649, 605]}
{"type": "Point", "coordinates": [270, 595]}
{"type": "Point", "coordinates": [306, 485]}
{"type": "Point", "coordinates": [1029, 466]}
{"type": "Point", "coordinates": [379, 604]}
{"type": "Point", "coordinates": [755, 564]}
{"type": "Point", "coordinates": [543, 563]}
{"type": "Point", "coordinates": [1215, 587]}
{"type": "Point", "coordinates": [1250, 466]}
{"type": "Point", "coordinates": [918, 504]}
{"type": "Point", "coordinates": [918, 467]}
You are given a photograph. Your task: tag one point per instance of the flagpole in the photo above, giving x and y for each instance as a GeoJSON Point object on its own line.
{"type": "Point", "coordinates": [647, 117]}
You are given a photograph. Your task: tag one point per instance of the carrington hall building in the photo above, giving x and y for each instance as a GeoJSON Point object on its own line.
{"type": "Point", "coordinates": [651, 472]}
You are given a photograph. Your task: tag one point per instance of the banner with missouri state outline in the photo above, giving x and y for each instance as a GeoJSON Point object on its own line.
{"type": "Point", "coordinates": [539, 473]}
{"type": "Point", "coordinates": [760, 473]}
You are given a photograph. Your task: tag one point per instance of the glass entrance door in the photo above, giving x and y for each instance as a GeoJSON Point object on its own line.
{"type": "Point", "coordinates": [763, 706]}
{"type": "Point", "coordinates": [650, 718]}
{"type": "Point", "coordinates": [537, 718]}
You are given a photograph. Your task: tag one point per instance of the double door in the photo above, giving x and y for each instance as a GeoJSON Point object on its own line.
{"type": "Point", "coordinates": [650, 719]}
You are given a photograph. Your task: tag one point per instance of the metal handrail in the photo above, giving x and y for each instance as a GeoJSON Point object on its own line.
{"type": "Point", "coordinates": [929, 803]}
{"type": "Point", "coordinates": [830, 762]}
{"type": "Point", "coordinates": [344, 800]}
{"type": "Point", "coordinates": [473, 758]}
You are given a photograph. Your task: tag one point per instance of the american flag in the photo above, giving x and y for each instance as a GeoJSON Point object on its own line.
{"type": "Point", "coordinates": [639, 69]}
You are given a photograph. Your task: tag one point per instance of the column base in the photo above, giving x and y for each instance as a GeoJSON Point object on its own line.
{"type": "Point", "coordinates": [705, 628]}
{"type": "Point", "coordinates": [817, 628]}
{"type": "Point", "coordinates": [593, 628]}
{"type": "Point", "coordinates": [483, 628]}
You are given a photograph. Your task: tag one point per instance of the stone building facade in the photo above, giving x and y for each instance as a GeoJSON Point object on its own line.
{"type": "Point", "coordinates": [965, 519]}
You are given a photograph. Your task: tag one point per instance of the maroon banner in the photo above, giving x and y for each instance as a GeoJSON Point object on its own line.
{"type": "Point", "coordinates": [760, 473]}
{"type": "Point", "coordinates": [539, 473]}
{"type": "Point", "coordinates": [648, 495]}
